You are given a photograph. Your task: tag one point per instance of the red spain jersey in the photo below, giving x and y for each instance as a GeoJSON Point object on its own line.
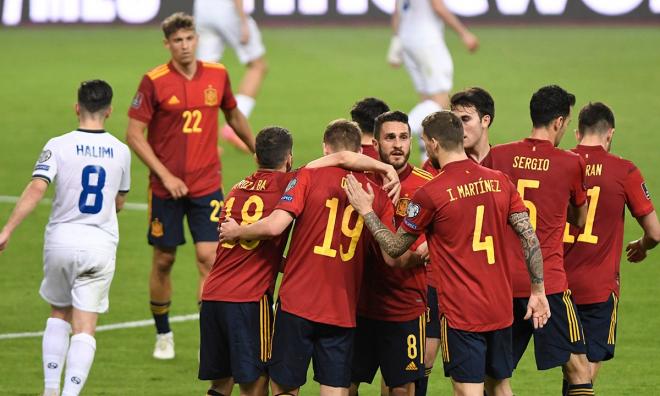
{"type": "Point", "coordinates": [182, 123]}
{"type": "Point", "coordinates": [323, 269]}
{"type": "Point", "coordinates": [369, 150]}
{"type": "Point", "coordinates": [428, 166]}
{"type": "Point", "coordinates": [464, 211]}
{"type": "Point", "coordinates": [548, 179]}
{"type": "Point", "coordinates": [592, 256]}
{"type": "Point", "coordinates": [395, 294]}
{"type": "Point", "coordinates": [245, 270]}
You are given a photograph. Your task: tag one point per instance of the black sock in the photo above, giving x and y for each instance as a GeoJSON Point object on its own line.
{"type": "Point", "coordinates": [161, 314]}
{"type": "Point", "coordinates": [422, 384]}
{"type": "Point", "coordinates": [564, 387]}
{"type": "Point", "coordinates": [580, 390]}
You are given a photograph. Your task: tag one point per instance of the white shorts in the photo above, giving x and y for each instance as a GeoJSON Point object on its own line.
{"type": "Point", "coordinates": [430, 67]}
{"type": "Point", "coordinates": [78, 276]}
{"type": "Point", "coordinates": [218, 24]}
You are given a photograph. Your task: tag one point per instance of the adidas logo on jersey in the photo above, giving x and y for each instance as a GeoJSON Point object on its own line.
{"type": "Point", "coordinates": [411, 367]}
{"type": "Point", "coordinates": [173, 100]}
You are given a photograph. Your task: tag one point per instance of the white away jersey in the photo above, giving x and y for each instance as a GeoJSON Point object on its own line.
{"type": "Point", "coordinates": [89, 168]}
{"type": "Point", "coordinates": [419, 24]}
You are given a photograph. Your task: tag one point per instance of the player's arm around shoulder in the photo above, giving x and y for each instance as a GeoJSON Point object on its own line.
{"type": "Point", "coordinates": [268, 227]}
{"type": "Point", "coordinates": [31, 196]}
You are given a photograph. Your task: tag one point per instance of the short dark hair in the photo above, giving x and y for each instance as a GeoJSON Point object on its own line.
{"type": "Point", "coordinates": [595, 117]}
{"type": "Point", "coordinates": [272, 145]}
{"type": "Point", "coordinates": [343, 135]}
{"type": "Point", "coordinates": [390, 116]}
{"type": "Point", "coordinates": [445, 127]}
{"type": "Point", "coordinates": [94, 95]}
{"type": "Point", "coordinates": [365, 112]}
{"type": "Point", "coordinates": [176, 22]}
{"type": "Point", "coordinates": [548, 103]}
{"type": "Point", "coordinates": [478, 98]}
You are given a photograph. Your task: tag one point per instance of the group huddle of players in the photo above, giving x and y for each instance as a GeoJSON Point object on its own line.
{"type": "Point", "coordinates": [479, 251]}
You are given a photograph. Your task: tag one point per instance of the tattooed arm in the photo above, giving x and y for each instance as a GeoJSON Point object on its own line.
{"type": "Point", "coordinates": [538, 308]}
{"type": "Point", "coordinates": [394, 245]}
{"type": "Point", "coordinates": [530, 244]}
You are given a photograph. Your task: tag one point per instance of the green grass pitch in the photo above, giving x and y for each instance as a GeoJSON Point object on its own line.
{"type": "Point", "coordinates": [315, 76]}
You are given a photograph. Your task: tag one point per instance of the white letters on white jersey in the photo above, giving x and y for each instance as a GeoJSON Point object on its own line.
{"type": "Point", "coordinates": [419, 25]}
{"type": "Point", "coordinates": [88, 168]}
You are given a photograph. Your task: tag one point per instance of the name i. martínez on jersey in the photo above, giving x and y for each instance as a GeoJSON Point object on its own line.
{"type": "Point", "coordinates": [474, 188]}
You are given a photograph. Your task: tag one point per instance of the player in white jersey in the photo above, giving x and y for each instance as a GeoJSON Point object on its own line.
{"type": "Point", "coordinates": [419, 44]}
{"type": "Point", "coordinates": [224, 22]}
{"type": "Point", "coordinates": [91, 172]}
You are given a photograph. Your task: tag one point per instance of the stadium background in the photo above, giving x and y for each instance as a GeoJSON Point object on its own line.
{"type": "Point", "coordinates": [319, 66]}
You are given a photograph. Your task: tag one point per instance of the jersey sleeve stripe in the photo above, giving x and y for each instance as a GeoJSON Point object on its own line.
{"type": "Point", "coordinates": [214, 65]}
{"type": "Point", "coordinates": [43, 177]}
{"type": "Point", "coordinates": [422, 173]}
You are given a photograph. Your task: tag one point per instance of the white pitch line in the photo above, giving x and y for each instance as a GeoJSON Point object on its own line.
{"type": "Point", "coordinates": [48, 201]}
{"type": "Point", "coordinates": [112, 326]}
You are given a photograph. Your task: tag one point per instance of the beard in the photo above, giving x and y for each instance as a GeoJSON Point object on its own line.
{"type": "Point", "coordinates": [386, 158]}
{"type": "Point", "coordinates": [435, 162]}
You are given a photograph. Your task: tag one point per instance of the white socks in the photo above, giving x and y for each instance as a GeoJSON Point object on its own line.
{"type": "Point", "coordinates": [245, 104]}
{"type": "Point", "coordinates": [78, 362]}
{"type": "Point", "coordinates": [55, 344]}
{"type": "Point", "coordinates": [415, 118]}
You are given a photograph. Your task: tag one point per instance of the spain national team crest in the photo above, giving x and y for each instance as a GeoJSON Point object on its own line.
{"type": "Point", "coordinates": [402, 206]}
{"type": "Point", "coordinates": [156, 228]}
{"type": "Point", "coordinates": [211, 96]}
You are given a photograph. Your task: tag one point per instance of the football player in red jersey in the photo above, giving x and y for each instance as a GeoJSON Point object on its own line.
{"type": "Point", "coordinates": [316, 313]}
{"type": "Point", "coordinates": [592, 255]}
{"type": "Point", "coordinates": [463, 212]}
{"type": "Point", "coordinates": [391, 324]}
{"type": "Point", "coordinates": [178, 104]}
{"type": "Point", "coordinates": [364, 113]}
{"type": "Point", "coordinates": [551, 183]}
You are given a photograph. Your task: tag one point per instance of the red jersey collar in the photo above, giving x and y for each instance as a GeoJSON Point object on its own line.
{"type": "Point", "coordinates": [198, 72]}
{"type": "Point", "coordinates": [538, 142]}
{"type": "Point", "coordinates": [406, 172]}
{"type": "Point", "coordinates": [591, 148]}
{"type": "Point", "coordinates": [462, 164]}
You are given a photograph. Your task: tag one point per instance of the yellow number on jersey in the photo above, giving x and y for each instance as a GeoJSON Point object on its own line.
{"type": "Point", "coordinates": [192, 119]}
{"type": "Point", "coordinates": [354, 232]}
{"type": "Point", "coordinates": [248, 218]}
{"type": "Point", "coordinates": [487, 243]}
{"type": "Point", "coordinates": [522, 185]}
{"type": "Point", "coordinates": [587, 235]}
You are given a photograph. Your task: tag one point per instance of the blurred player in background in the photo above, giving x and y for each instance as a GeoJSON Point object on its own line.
{"type": "Point", "coordinates": [91, 172]}
{"type": "Point", "coordinates": [551, 183]}
{"type": "Point", "coordinates": [224, 22]}
{"type": "Point", "coordinates": [364, 113]}
{"type": "Point", "coordinates": [592, 255]}
{"type": "Point", "coordinates": [473, 277]}
{"type": "Point", "coordinates": [315, 316]}
{"type": "Point", "coordinates": [418, 42]}
{"type": "Point", "coordinates": [178, 104]}
{"type": "Point", "coordinates": [391, 326]}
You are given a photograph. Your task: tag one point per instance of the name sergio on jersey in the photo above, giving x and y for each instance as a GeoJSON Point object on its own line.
{"type": "Point", "coordinates": [538, 164]}
{"type": "Point", "coordinates": [474, 188]}
{"type": "Point", "coordinates": [258, 185]}
{"type": "Point", "coordinates": [94, 151]}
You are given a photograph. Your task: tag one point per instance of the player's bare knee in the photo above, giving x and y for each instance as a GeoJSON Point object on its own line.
{"type": "Point", "coordinates": [259, 65]}
{"type": "Point", "coordinates": [64, 313]}
{"type": "Point", "coordinates": [163, 260]}
{"type": "Point", "coordinates": [576, 370]}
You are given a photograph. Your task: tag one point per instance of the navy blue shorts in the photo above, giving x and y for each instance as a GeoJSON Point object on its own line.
{"type": "Point", "coordinates": [297, 340]}
{"type": "Point", "coordinates": [166, 219]}
{"type": "Point", "coordinates": [396, 347]}
{"type": "Point", "coordinates": [557, 340]}
{"type": "Point", "coordinates": [432, 314]}
{"type": "Point", "coordinates": [234, 339]}
{"type": "Point", "coordinates": [468, 357]}
{"type": "Point", "coordinates": [599, 321]}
